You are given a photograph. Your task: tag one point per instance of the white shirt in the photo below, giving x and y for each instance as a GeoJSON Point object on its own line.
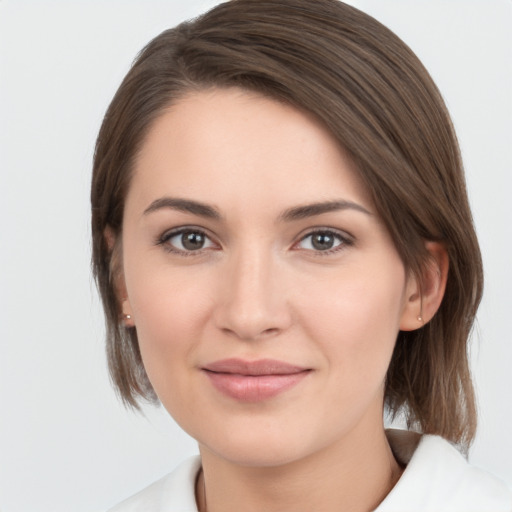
{"type": "Point", "coordinates": [437, 478]}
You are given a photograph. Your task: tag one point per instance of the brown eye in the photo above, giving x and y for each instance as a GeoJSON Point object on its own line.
{"type": "Point", "coordinates": [186, 241]}
{"type": "Point", "coordinates": [192, 240]}
{"type": "Point", "coordinates": [322, 241]}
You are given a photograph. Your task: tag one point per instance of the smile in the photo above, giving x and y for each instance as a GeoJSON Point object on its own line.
{"type": "Point", "coordinates": [253, 381]}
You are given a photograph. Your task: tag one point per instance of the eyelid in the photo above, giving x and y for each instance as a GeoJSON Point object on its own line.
{"type": "Point", "coordinates": [170, 233]}
{"type": "Point", "coordinates": [346, 239]}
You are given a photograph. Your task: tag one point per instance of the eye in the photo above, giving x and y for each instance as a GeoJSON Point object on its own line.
{"type": "Point", "coordinates": [186, 241]}
{"type": "Point", "coordinates": [323, 241]}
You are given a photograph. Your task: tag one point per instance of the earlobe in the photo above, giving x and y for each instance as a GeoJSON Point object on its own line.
{"type": "Point", "coordinates": [425, 293]}
{"type": "Point", "coordinates": [117, 277]}
{"type": "Point", "coordinates": [127, 318]}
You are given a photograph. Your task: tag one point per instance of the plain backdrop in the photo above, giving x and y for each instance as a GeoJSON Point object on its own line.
{"type": "Point", "coordinates": [66, 443]}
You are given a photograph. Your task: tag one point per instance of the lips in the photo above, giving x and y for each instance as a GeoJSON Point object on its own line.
{"type": "Point", "coordinates": [253, 381]}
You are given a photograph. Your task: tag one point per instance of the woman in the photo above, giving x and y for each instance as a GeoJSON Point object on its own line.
{"type": "Point", "coordinates": [284, 249]}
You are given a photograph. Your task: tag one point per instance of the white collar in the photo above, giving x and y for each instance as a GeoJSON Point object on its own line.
{"type": "Point", "coordinates": [437, 479]}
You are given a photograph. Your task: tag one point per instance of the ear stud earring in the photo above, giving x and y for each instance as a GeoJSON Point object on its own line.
{"type": "Point", "coordinates": [126, 320]}
{"type": "Point", "coordinates": [420, 319]}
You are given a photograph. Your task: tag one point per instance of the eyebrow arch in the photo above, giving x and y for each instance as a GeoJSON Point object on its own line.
{"type": "Point", "coordinates": [310, 210]}
{"type": "Point", "coordinates": [183, 205]}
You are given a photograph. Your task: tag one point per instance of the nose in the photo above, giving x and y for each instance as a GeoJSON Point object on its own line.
{"type": "Point", "coordinates": [252, 303]}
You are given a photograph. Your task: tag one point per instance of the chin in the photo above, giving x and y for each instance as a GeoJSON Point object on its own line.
{"type": "Point", "coordinates": [257, 455]}
{"type": "Point", "coordinates": [259, 445]}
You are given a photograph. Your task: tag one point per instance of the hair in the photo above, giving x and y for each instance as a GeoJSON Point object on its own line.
{"type": "Point", "coordinates": [374, 95]}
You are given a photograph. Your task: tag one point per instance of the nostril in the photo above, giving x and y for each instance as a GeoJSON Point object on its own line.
{"type": "Point", "coordinates": [266, 333]}
{"type": "Point", "coordinates": [270, 332]}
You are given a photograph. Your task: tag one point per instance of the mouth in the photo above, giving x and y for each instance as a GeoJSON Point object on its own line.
{"type": "Point", "coordinates": [254, 381]}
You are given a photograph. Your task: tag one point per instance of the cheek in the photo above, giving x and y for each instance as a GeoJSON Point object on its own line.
{"type": "Point", "coordinates": [356, 316]}
{"type": "Point", "coordinates": [170, 311]}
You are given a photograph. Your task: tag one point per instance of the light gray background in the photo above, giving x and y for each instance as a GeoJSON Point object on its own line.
{"type": "Point", "coordinates": [66, 444]}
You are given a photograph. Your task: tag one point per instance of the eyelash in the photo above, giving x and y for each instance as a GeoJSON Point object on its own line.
{"type": "Point", "coordinates": [344, 239]}
{"type": "Point", "coordinates": [168, 235]}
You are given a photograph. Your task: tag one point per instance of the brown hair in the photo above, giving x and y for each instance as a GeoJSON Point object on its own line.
{"type": "Point", "coordinates": [378, 100]}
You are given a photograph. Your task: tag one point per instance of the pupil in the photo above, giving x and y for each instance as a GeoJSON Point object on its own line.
{"type": "Point", "coordinates": [192, 241]}
{"type": "Point", "coordinates": [323, 241]}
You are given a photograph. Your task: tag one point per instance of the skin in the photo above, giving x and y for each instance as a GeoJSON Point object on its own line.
{"type": "Point", "coordinates": [259, 288]}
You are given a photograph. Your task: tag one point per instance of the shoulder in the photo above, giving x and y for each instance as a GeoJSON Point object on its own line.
{"type": "Point", "coordinates": [438, 478]}
{"type": "Point", "coordinates": [174, 491]}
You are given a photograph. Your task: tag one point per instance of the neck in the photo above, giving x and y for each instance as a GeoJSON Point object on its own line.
{"type": "Point", "coordinates": [356, 474]}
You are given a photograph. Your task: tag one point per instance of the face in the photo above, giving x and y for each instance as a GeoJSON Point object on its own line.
{"type": "Point", "coordinates": [266, 293]}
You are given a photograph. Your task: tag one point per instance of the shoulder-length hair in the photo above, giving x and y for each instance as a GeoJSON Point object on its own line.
{"type": "Point", "coordinates": [380, 103]}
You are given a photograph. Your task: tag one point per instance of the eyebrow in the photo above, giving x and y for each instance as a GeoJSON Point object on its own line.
{"type": "Point", "coordinates": [184, 205]}
{"type": "Point", "coordinates": [289, 215]}
{"type": "Point", "coordinates": [310, 210]}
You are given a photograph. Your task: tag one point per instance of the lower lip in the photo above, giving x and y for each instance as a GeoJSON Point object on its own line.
{"type": "Point", "coordinates": [254, 388]}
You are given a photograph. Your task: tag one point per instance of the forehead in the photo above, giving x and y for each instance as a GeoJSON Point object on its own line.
{"type": "Point", "coordinates": [232, 145]}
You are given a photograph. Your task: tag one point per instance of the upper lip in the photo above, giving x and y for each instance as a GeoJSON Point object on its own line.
{"type": "Point", "coordinates": [254, 368]}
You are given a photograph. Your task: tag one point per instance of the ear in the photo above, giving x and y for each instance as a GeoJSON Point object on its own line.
{"type": "Point", "coordinates": [424, 294]}
{"type": "Point", "coordinates": [117, 277]}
